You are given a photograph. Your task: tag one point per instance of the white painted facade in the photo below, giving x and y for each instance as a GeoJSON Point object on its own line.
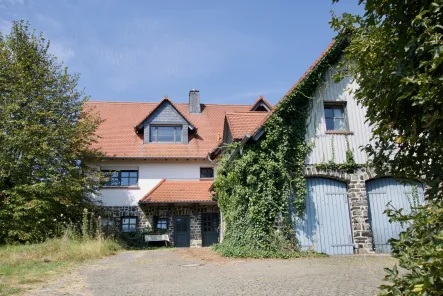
{"type": "Point", "coordinates": [150, 173]}
{"type": "Point", "coordinates": [325, 144]}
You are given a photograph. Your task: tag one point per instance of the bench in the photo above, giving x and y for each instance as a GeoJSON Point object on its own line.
{"type": "Point", "coordinates": [157, 238]}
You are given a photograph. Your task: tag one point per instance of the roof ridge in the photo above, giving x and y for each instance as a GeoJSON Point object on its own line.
{"type": "Point", "coordinates": [180, 103]}
{"type": "Point", "coordinates": [248, 113]}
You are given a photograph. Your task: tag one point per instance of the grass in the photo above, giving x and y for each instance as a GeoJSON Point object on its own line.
{"type": "Point", "coordinates": [22, 266]}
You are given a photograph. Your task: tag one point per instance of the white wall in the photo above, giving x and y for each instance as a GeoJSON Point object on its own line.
{"type": "Point", "coordinates": [322, 151]}
{"type": "Point", "coordinates": [150, 174]}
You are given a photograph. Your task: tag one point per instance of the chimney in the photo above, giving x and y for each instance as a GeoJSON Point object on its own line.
{"type": "Point", "coordinates": [194, 101]}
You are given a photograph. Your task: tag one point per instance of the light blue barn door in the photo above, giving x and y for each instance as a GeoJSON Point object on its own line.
{"type": "Point", "coordinates": [380, 192]}
{"type": "Point", "coordinates": [326, 225]}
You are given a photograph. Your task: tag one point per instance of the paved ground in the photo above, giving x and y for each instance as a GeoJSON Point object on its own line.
{"type": "Point", "coordinates": [201, 272]}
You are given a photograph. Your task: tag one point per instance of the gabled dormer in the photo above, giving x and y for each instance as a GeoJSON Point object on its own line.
{"type": "Point", "coordinates": [165, 124]}
{"type": "Point", "coordinates": [261, 105]}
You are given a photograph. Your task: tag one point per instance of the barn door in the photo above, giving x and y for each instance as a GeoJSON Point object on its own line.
{"type": "Point", "coordinates": [326, 225]}
{"type": "Point", "coordinates": [380, 192]}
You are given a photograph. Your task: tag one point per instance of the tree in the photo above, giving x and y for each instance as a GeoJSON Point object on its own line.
{"type": "Point", "coordinates": [395, 54]}
{"type": "Point", "coordinates": [44, 137]}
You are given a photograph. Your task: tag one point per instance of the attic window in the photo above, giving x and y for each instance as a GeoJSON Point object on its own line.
{"type": "Point", "coordinates": [261, 107]}
{"type": "Point", "coordinates": [335, 117]}
{"type": "Point", "coordinates": [166, 134]}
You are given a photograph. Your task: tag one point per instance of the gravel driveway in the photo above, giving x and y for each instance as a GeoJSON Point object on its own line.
{"type": "Point", "coordinates": [202, 272]}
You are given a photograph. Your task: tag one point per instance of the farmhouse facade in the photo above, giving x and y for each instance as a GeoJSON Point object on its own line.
{"type": "Point", "coordinates": [160, 163]}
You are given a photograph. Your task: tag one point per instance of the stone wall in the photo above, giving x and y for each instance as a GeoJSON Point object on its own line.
{"type": "Point", "coordinates": [358, 202]}
{"type": "Point", "coordinates": [114, 214]}
{"type": "Point", "coordinates": [145, 217]}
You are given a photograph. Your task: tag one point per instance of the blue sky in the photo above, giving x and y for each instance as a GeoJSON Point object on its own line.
{"type": "Point", "coordinates": [232, 51]}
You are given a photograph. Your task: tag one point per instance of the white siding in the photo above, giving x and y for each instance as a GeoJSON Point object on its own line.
{"type": "Point", "coordinates": [322, 151]}
{"type": "Point", "coordinates": [150, 174]}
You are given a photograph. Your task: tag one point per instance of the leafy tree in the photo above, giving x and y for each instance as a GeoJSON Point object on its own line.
{"type": "Point", "coordinates": [44, 137]}
{"type": "Point", "coordinates": [395, 55]}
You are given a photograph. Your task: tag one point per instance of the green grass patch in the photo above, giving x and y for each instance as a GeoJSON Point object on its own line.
{"type": "Point", "coordinates": [22, 266]}
{"type": "Point", "coordinates": [247, 252]}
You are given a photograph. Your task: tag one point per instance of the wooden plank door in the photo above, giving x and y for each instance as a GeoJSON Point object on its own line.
{"type": "Point", "coordinates": [209, 225]}
{"type": "Point", "coordinates": [182, 232]}
{"type": "Point", "coordinates": [380, 192]}
{"type": "Point", "coordinates": [326, 225]}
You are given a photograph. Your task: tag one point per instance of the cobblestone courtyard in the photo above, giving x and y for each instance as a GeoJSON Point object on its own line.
{"type": "Point", "coordinates": [201, 272]}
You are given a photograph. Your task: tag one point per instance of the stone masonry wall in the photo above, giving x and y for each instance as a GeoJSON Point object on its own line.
{"type": "Point", "coordinates": [145, 217]}
{"type": "Point", "coordinates": [358, 202]}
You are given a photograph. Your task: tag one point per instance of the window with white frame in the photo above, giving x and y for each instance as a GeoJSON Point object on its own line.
{"type": "Point", "coordinates": [129, 224]}
{"type": "Point", "coordinates": [335, 117]}
{"type": "Point", "coordinates": [161, 224]}
{"type": "Point", "coordinates": [165, 134]}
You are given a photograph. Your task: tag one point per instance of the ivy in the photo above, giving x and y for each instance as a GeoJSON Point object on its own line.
{"type": "Point", "coordinates": [254, 186]}
{"type": "Point", "coordinates": [349, 165]}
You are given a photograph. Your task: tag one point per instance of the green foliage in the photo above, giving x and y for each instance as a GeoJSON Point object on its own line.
{"type": "Point", "coordinates": [254, 186]}
{"type": "Point", "coordinates": [44, 134]}
{"type": "Point", "coordinates": [247, 252]}
{"type": "Point", "coordinates": [24, 264]}
{"type": "Point", "coordinates": [134, 240]}
{"type": "Point", "coordinates": [419, 250]}
{"type": "Point", "coordinates": [349, 165]}
{"type": "Point", "coordinates": [395, 56]}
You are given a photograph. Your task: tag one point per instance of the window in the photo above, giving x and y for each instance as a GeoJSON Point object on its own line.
{"type": "Point", "coordinates": [161, 224]}
{"type": "Point", "coordinates": [335, 117]}
{"type": "Point", "coordinates": [121, 178]}
{"type": "Point", "coordinates": [170, 134]}
{"type": "Point", "coordinates": [206, 173]}
{"type": "Point", "coordinates": [129, 224]}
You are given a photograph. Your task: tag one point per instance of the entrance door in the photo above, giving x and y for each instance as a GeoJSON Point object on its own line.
{"type": "Point", "coordinates": [209, 229]}
{"type": "Point", "coordinates": [182, 232]}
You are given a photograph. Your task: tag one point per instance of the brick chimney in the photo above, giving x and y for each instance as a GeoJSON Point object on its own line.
{"type": "Point", "coordinates": [194, 101]}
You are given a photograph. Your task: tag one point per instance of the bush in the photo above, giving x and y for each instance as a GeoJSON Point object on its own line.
{"type": "Point", "coordinates": [419, 250]}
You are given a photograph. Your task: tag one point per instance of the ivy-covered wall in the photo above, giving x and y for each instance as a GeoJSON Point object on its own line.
{"type": "Point", "coordinates": [253, 186]}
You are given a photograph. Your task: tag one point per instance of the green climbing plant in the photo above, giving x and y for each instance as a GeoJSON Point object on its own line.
{"type": "Point", "coordinates": [254, 186]}
{"type": "Point", "coordinates": [349, 165]}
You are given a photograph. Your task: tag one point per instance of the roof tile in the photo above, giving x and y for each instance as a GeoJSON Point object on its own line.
{"type": "Point", "coordinates": [117, 136]}
{"type": "Point", "coordinates": [242, 123]}
{"type": "Point", "coordinates": [172, 191]}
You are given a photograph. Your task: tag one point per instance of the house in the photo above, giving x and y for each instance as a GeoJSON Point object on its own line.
{"type": "Point", "coordinates": [158, 161]}
{"type": "Point", "coordinates": [344, 208]}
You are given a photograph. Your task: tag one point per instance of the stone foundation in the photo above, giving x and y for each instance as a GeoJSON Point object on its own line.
{"type": "Point", "coordinates": [145, 217]}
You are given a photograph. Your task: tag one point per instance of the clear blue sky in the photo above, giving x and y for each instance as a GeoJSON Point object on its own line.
{"type": "Point", "coordinates": [232, 51]}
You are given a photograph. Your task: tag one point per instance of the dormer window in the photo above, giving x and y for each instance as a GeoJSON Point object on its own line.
{"type": "Point", "coordinates": [165, 134]}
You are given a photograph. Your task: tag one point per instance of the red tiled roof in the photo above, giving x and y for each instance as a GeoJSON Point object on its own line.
{"type": "Point", "coordinates": [171, 191]}
{"type": "Point", "coordinates": [261, 98]}
{"type": "Point", "coordinates": [119, 139]}
{"type": "Point", "coordinates": [242, 123]}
